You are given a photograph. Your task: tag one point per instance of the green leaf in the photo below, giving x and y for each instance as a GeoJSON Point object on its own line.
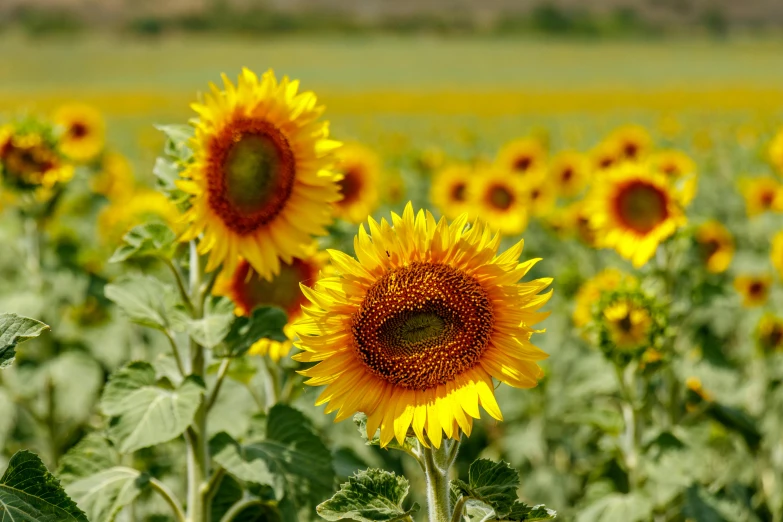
{"type": "Point", "coordinates": [167, 173]}
{"type": "Point", "coordinates": [103, 495]}
{"type": "Point", "coordinates": [522, 512]}
{"type": "Point", "coordinates": [265, 323]}
{"type": "Point", "coordinates": [372, 495]}
{"type": "Point", "coordinates": [295, 454]}
{"type": "Point", "coordinates": [91, 455]}
{"type": "Point", "coordinates": [145, 414]}
{"type": "Point", "coordinates": [242, 369]}
{"type": "Point", "coordinates": [177, 142]}
{"type": "Point", "coordinates": [618, 507]}
{"type": "Point", "coordinates": [245, 463]}
{"type": "Point", "coordinates": [145, 300]}
{"type": "Point", "coordinates": [147, 240]}
{"type": "Point", "coordinates": [700, 507]}
{"type": "Point", "coordinates": [15, 329]}
{"type": "Point", "coordinates": [360, 419]}
{"type": "Point", "coordinates": [28, 492]}
{"type": "Point", "coordinates": [494, 483]}
{"type": "Point", "coordinates": [216, 323]}
{"type": "Point", "coordinates": [737, 420]}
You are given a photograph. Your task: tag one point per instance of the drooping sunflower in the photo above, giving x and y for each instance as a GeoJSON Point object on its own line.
{"type": "Point", "coordinates": [776, 253]}
{"type": "Point", "coordinates": [360, 169]}
{"type": "Point", "coordinates": [632, 141]}
{"type": "Point", "coordinates": [590, 292]}
{"type": "Point", "coordinates": [414, 330]}
{"type": "Point", "coordinates": [115, 179]}
{"type": "Point", "coordinates": [769, 333]}
{"type": "Point", "coordinates": [569, 171]}
{"type": "Point", "coordinates": [143, 205]}
{"type": "Point", "coordinates": [500, 200]}
{"type": "Point", "coordinates": [754, 289]}
{"type": "Point", "coordinates": [83, 134]}
{"type": "Point", "coordinates": [29, 159]}
{"type": "Point", "coordinates": [248, 291]}
{"type": "Point", "coordinates": [716, 245]}
{"type": "Point", "coordinates": [633, 210]}
{"type": "Point", "coordinates": [449, 190]}
{"type": "Point", "coordinates": [762, 194]}
{"type": "Point", "coordinates": [260, 183]}
{"type": "Point", "coordinates": [521, 156]}
{"type": "Point", "coordinates": [679, 169]}
{"type": "Point", "coordinates": [776, 151]}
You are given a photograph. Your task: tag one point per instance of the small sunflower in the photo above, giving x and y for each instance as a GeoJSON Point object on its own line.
{"type": "Point", "coordinates": [769, 333]}
{"type": "Point", "coordinates": [413, 332]}
{"type": "Point", "coordinates": [449, 190]}
{"type": "Point", "coordinates": [606, 155]}
{"type": "Point", "coordinates": [540, 195]}
{"type": "Point", "coordinates": [679, 169]}
{"type": "Point", "coordinates": [248, 291]}
{"type": "Point", "coordinates": [142, 206]}
{"type": "Point", "coordinates": [776, 253]}
{"type": "Point", "coordinates": [260, 184]}
{"type": "Point", "coordinates": [29, 159]}
{"type": "Point", "coordinates": [629, 324]}
{"type": "Point", "coordinates": [633, 210]}
{"type": "Point", "coordinates": [521, 156]}
{"type": "Point", "coordinates": [501, 200]}
{"type": "Point", "coordinates": [569, 171]}
{"type": "Point", "coordinates": [590, 292]}
{"type": "Point", "coordinates": [716, 245]}
{"type": "Point", "coordinates": [762, 194]}
{"type": "Point", "coordinates": [115, 178]}
{"type": "Point", "coordinates": [633, 142]}
{"type": "Point", "coordinates": [360, 169]}
{"type": "Point", "coordinates": [83, 131]}
{"type": "Point", "coordinates": [754, 289]}
{"type": "Point", "coordinates": [776, 151]}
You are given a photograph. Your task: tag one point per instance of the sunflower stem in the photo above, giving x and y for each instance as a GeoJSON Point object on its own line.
{"type": "Point", "coordinates": [437, 463]}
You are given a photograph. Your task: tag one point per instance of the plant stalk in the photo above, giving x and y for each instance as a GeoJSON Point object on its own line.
{"type": "Point", "coordinates": [437, 464]}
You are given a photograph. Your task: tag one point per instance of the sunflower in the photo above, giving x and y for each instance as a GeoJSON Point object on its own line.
{"type": "Point", "coordinates": [754, 289]}
{"type": "Point", "coordinates": [248, 291]}
{"type": "Point", "coordinates": [142, 206]}
{"type": "Point", "coordinates": [83, 131]}
{"type": "Point", "coordinates": [776, 151]}
{"type": "Point", "coordinates": [679, 169]}
{"type": "Point", "coordinates": [570, 173]}
{"type": "Point", "coordinates": [632, 141]}
{"type": "Point", "coordinates": [29, 159]}
{"type": "Point", "coordinates": [414, 330]}
{"type": "Point", "coordinates": [590, 292]}
{"type": "Point", "coordinates": [360, 170]}
{"type": "Point", "coordinates": [115, 179]}
{"type": "Point", "coordinates": [606, 155]}
{"type": "Point", "coordinates": [449, 190]}
{"type": "Point", "coordinates": [716, 245]}
{"type": "Point", "coordinates": [501, 200]}
{"type": "Point", "coordinates": [629, 324]}
{"type": "Point", "coordinates": [776, 253]}
{"type": "Point", "coordinates": [769, 333]}
{"type": "Point", "coordinates": [762, 194]}
{"type": "Point", "coordinates": [539, 194]}
{"type": "Point", "coordinates": [633, 210]}
{"type": "Point", "coordinates": [260, 184]}
{"type": "Point", "coordinates": [521, 156]}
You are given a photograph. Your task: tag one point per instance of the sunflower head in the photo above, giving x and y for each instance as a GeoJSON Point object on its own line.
{"type": "Point", "coordinates": [413, 331]}
{"type": "Point", "coordinates": [590, 292]}
{"type": "Point", "coordinates": [629, 322]}
{"type": "Point", "coordinates": [83, 131]}
{"type": "Point", "coordinates": [716, 245]}
{"type": "Point", "coordinates": [776, 151]}
{"type": "Point", "coordinates": [29, 159]}
{"type": "Point", "coordinates": [606, 155]}
{"type": "Point", "coordinates": [769, 333]}
{"type": "Point", "coordinates": [633, 210]}
{"type": "Point", "coordinates": [360, 169]}
{"type": "Point", "coordinates": [449, 190]}
{"type": "Point", "coordinates": [762, 194]}
{"type": "Point", "coordinates": [260, 183]}
{"type": "Point", "coordinates": [248, 291]}
{"type": "Point", "coordinates": [521, 156]}
{"type": "Point", "coordinates": [115, 179]}
{"type": "Point", "coordinates": [142, 206]}
{"type": "Point", "coordinates": [633, 142]}
{"type": "Point", "coordinates": [680, 170]}
{"type": "Point", "coordinates": [501, 200]}
{"type": "Point", "coordinates": [540, 194]}
{"type": "Point", "coordinates": [776, 253]}
{"type": "Point", "coordinates": [754, 289]}
{"type": "Point", "coordinates": [569, 172]}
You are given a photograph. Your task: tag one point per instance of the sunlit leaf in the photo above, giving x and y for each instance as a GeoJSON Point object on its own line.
{"type": "Point", "coordinates": [103, 495]}
{"type": "Point", "coordinates": [145, 300]}
{"type": "Point", "coordinates": [147, 240]}
{"type": "Point", "coordinates": [372, 495]}
{"type": "Point", "coordinates": [265, 323]}
{"type": "Point", "coordinates": [91, 455]}
{"type": "Point", "coordinates": [15, 329]}
{"type": "Point", "coordinates": [216, 323]}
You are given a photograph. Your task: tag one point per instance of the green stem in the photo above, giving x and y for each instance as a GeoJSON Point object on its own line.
{"type": "Point", "coordinates": [437, 463]}
{"type": "Point", "coordinates": [238, 507]}
{"type": "Point", "coordinates": [170, 499]}
{"type": "Point", "coordinates": [630, 440]}
{"type": "Point", "coordinates": [458, 509]}
{"type": "Point", "coordinates": [271, 384]}
{"type": "Point", "coordinates": [51, 423]}
{"type": "Point", "coordinates": [221, 375]}
{"type": "Point", "coordinates": [175, 353]}
{"type": "Point", "coordinates": [183, 293]}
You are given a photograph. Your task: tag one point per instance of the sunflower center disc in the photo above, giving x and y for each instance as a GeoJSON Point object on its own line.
{"type": "Point", "coordinates": [641, 206]}
{"type": "Point", "coordinates": [422, 325]}
{"type": "Point", "coordinates": [79, 130]}
{"type": "Point", "coordinates": [458, 192]}
{"type": "Point", "coordinates": [350, 186]}
{"type": "Point", "coordinates": [251, 174]}
{"type": "Point", "coordinates": [250, 290]}
{"type": "Point", "coordinates": [523, 163]}
{"type": "Point", "coordinates": [500, 197]}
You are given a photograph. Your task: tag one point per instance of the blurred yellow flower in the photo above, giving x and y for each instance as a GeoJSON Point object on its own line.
{"type": "Point", "coordinates": [449, 190]}
{"type": "Point", "coordinates": [569, 171]}
{"type": "Point", "coordinates": [754, 289]}
{"type": "Point", "coordinates": [590, 292]}
{"type": "Point", "coordinates": [115, 179]}
{"type": "Point", "coordinates": [776, 253]}
{"type": "Point", "coordinates": [776, 151]}
{"type": "Point", "coordinates": [29, 159]}
{"type": "Point", "coordinates": [144, 205]}
{"type": "Point", "coordinates": [83, 131]}
{"type": "Point", "coordinates": [769, 333]}
{"type": "Point", "coordinates": [632, 141]}
{"type": "Point", "coordinates": [716, 244]}
{"type": "Point", "coordinates": [628, 324]}
{"type": "Point", "coordinates": [606, 155]}
{"type": "Point", "coordinates": [679, 169]}
{"type": "Point", "coordinates": [500, 200]}
{"type": "Point", "coordinates": [539, 193]}
{"type": "Point", "coordinates": [762, 194]}
{"type": "Point", "coordinates": [360, 169]}
{"type": "Point", "coordinates": [521, 156]}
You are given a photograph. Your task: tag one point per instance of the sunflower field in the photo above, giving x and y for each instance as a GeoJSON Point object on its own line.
{"type": "Point", "coordinates": [391, 279]}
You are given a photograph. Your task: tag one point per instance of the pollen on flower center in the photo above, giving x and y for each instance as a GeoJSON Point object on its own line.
{"type": "Point", "coordinates": [422, 325]}
{"type": "Point", "coordinates": [251, 174]}
{"type": "Point", "coordinates": [641, 206]}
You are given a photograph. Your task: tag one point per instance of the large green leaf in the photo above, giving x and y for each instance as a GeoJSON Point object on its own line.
{"type": "Point", "coordinates": [15, 329]}
{"type": "Point", "coordinates": [371, 495]}
{"type": "Point", "coordinates": [265, 323]}
{"type": "Point", "coordinates": [147, 240]}
{"type": "Point", "coordinates": [103, 495]}
{"type": "Point", "coordinates": [91, 455]}
{"type": "Point", "coordinates": [145, 300]}
{"type": "Point", "coordinates": [521, 512]}
{"type": "Point", "coordinates": [28, 492]}
{"type": "Point", "coordinates": [700, 506]}
{"type": "Point", "coordinates": [210, 330]}
{"type": "Point", "coordinates": [143, 413]}
{"type": "Point", "coordinates": [494, 483]}
{"type": "Point", "coordinates": [177, 142]}
{"type": "Point", "coordinates": [245, 463]}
